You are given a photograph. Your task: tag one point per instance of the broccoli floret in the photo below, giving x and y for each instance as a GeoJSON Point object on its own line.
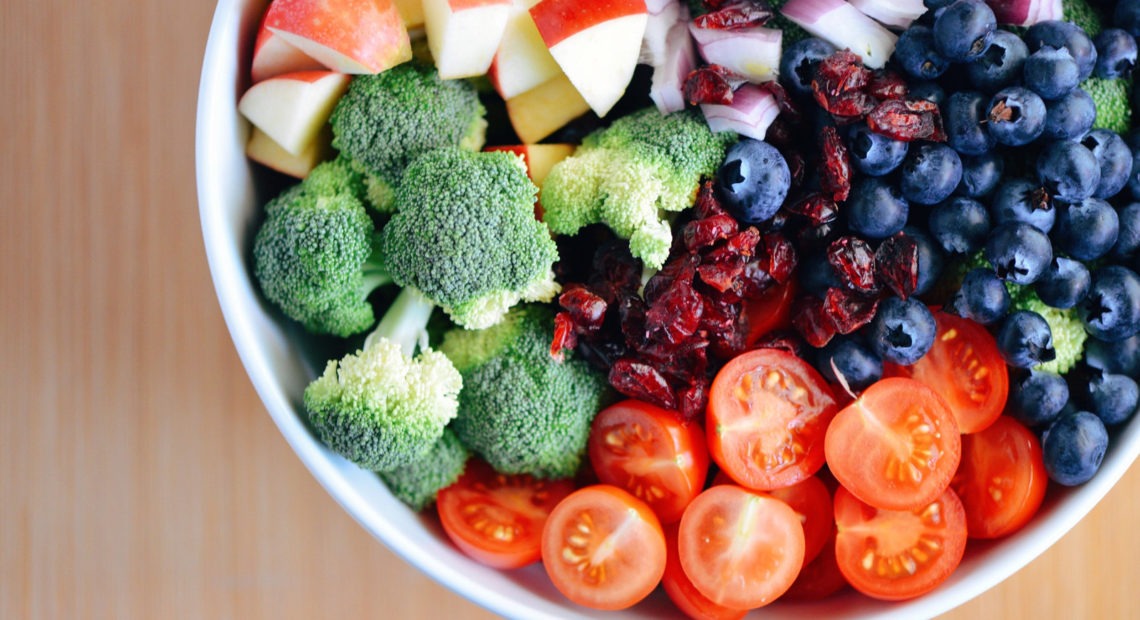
{"type": "Point", "coordinates": [316, 254]}
{"type": "Point", "coordinates": [1113, 110]}
{"type": "Point", "coordinates": [1083, 14]}
{"type": "Point", "coordinates": [384, 407]}
{"type": "Point", "coordinates": [464, 233]}
{"type": "Point", "coordinates": [521, 410]}
{"type": "Point", "coordinates": [418, 483]}
{"type": "Point", "coordinates": [346, 175]}
{"type": "Point", "coordinates": [385, 120]}
{"type": "Point", "coordinates": [631, 174]}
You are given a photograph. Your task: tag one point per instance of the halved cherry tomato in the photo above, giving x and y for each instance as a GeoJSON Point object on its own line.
{"type": "Point", "coordinates": [965, 367]}
{"type": "Point", "coordinates": [603, 548]}
{"type": "Point", "coordinates": [683, 593]}
{"type": "Point", "coordinates": [771, 312]}
{"type": "Point", "coordinates": [497, 519]}
{"type": "Point", "coordinates": [819, 578]}
{"type": "Point", "coordinates": [812, 503]}
{"type": "Point", "coordinates": [740, 548]}
{"type": "Point", "coordinates": [896, 447]}
{"type": "Point", "coordinates": [767, 415]}
{"type": "Point", "coordinates": [898, 554]}
{"type": "Point", "coordinates": [1001, 479]}
{"type": "Point", "coordinates": [649, 452]}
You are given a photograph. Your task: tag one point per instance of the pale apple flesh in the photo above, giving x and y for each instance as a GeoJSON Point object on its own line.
{"type": "Point", "coordinates": [522, 61]}
{"type": "Point", "coordinates": [463, 35]}
{"type": "Point", "coordinates": [273, 56]}
{"type": "Point", "coordinates": [541, 111]}
{"type": "Point", "coordinates": [539, 158]}
{"type": "Point", "coordinates": [263, 150]}
{"type": "Point", "coordinates": [412, 12]}
{"type": "Point", "coordinates": [292, 108]}
{"type": "Point", "coordinates": [348, 36]}
{"type": "Point", "coordinates": [600, 61]}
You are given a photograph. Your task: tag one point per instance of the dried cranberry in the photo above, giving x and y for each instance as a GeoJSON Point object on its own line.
{"type": "Point", "coordinates": [854, 261]}
{"type": "Point", "coordinates": [738, 14]}
{"type": "Point", "coordinates": [631, 313]}
{"type": "Point", "coordinates": [681, 361]}
{"type": "Point", "coordinates": [848, 310]}
{"type": "Point", "coordinates": [797, 166]}
{"type": "Point", "coordinates": [675, 314]}
{"type": "Point", "coordinates": [816, 207]}
{"type": "Point", "coordinates": [643, 382]}
{"type": "Point", "coordinates": [840, 83]}
{"type": "Point", "coordinates": [887, 85]}
{"type": "Point", "coordinates": [616, 271]}
{"type": "Point", "coordinates": [680, 267]}
{"type": "Point", "coordinates": [711, 84]}
{"type": "Point", "coordinates": [811, 321]}
{"type": "Point", "coordinates": [784, 340]}
{"type": "Point", "coordinates": [587, 310]}
{"type": "Point", "coordinates": [788, 108]}
{"type": "Point", "coordinates": [896, 264]}
{"type": "Point", "coordinates": [780, 256]}
{"type": "Point", "coordinates": [565, 337]}
{"type": "Point", "coordinates": [693, 399]}
{"type": "Point", "coordinates": [708, 205]}
{"type": "Point", "coordinates": [704, 232]}
{"type": "Point", "coordinates": [782, 135]}
{"type": "Point", "coordinates": [907, 120]}
{"type": "Point", "coordinates": [835, 174]}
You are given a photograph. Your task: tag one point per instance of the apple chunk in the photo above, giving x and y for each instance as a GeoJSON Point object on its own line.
{"type": "Point", "coordinates": [292, 108]}
{"type": "Point", "coordinates": [539, 158]}
{"type": "Point", "coordinates": [596, 43]}
{"type": "Point", "coordinates": [272, 55]}
{"type": "Point", "coordinates": [348, 36]}
{"type": "Point", "coordinates": [412, 11]}
{"type": "Point", "coordinates": [522, 61]}
{"type": "Point", "coordinates": [263, 150]}
{"type": "Point", "coordinates": [541, 111]}
{"type": "Point", "coordinates": [464, 34]}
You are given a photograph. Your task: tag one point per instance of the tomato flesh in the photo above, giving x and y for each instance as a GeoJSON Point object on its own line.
{"type": "Point", "coordinates": [741, 549]}
{"type": "Point", "coordinates": [896, 446]}
{"type": "Point", "coordinates": [1001, 479]}
{"type": "Point", "coordinates": [498, 519]}
{"type": "Point", "coordinates": [965, 367]}
{"type": "Point", "coordinates": [768, 412]}
{"type": "Point", "coordinates": [603, 548]}
{"type": "Point", "coordinates": [898, 554]}
{"type": "Point", "coordinates": [649, 452]}
{"type": "Point", "coordinates": [683, 593]}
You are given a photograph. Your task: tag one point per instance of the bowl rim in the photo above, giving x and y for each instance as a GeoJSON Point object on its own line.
{"type": "Point", "coordinates": [215, 159]}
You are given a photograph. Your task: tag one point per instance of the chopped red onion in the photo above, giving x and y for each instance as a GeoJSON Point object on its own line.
{"type": "Point", "coordinates": [891, 13]}
{"type": "Point", "coordinates": [679, 58]}
{"type": "Point", "coordinates": [1025, 12]}
{"type": "Point", "coordinates": [753, 53]}
{"type": "Point", "coordinates": [663, 14]}
{"type": "Point", "coordinates": [750, 114]}
{"type": "Point", "coordinates": [843, 26]}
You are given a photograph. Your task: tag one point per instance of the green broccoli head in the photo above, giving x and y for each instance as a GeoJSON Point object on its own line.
{"type": "Point", "coordinates": [385, 120]}
{"type": "Point", "coordinates": [316, 254]}
{"type": "Point", "coordinates": [521, 410]}
{"type": "Point", "coordinates": [346, 175]}
{"type": "Point", "coordinates": [1069, 334]}
{"type": "Point", "coordinates": [630, 174]}
{"type": "Point", "coordinates": [384, 408]}
{"type": "Point", "coordinates": [464, 233]}
{"type": "Point", "coordinates": [417, 483]}
{"type": "Point", "coordinates": [1083, 14]}
{"type": "Point", "coordinates": [1113, 108]}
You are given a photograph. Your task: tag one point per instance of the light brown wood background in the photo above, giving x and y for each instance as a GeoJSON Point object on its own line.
{"type": "Point", "coordinates": [139, 475]}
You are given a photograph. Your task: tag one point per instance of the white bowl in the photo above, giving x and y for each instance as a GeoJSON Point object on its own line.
{"type": "Point", "coordinates": [281, 361]}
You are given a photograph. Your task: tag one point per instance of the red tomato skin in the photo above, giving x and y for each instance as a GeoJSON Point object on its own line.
{"type": "Point", "coordinates": [965, 367]}
{"type": "Point", "coordinates": [819, 578]}
{"type": "Point", "coordinates": [862, 439]}
{"type": "Point", "coordinates": [525, 499]}
{"type": "Point", "coordinates": [1001, 479]}
{"type": "Point", "coordinates": [672, 455]}
{"type": "Point", "coordinates": [934, 539]}
{"type": "Point", "coordinates": [750, 401]}
{"type": "Point", "coordinates": [812, 502]}
{"type": "Point", "coordinates": [595, 512]}
{"type": "Point", "coordinates": [683, 593]}
{"type": "Point", "coordinates": [771, 312]}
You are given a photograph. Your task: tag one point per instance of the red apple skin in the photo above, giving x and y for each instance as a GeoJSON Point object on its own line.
{"type": "Point", "coordinates": [560, 19]}
{"type": "Point", "coordinates": [462, 5]}
{"type": "Point", "coordinates": [370, 32]}
{"type": "Point", "coordinates": [272, 56]}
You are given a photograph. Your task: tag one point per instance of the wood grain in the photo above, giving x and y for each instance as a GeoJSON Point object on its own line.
{"type": "Point", "coordinates": [139, 475]}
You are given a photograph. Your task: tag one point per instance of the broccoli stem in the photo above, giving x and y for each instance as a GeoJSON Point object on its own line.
{"type": "Point", "coordinates": [405, 322]}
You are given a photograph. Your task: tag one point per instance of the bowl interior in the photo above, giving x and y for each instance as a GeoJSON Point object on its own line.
{"type": "Point", "coordinates": [281, 359]}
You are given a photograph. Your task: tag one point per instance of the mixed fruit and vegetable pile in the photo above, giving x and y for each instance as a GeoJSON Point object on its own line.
{"type": "Point", "coordinates": [746, 300]}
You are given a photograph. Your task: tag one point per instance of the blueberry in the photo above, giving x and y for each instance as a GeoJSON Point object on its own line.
{"type": "Point", "coordinates": [1037, 398]}
{"type": "Point", "coordinates": [753, 180]}
{"type": "Point", "coordinates": [1019, 252]}
{"type": "Point", "coordinates": [1064, 284]}
{"type": "Point", "coordinates": [964, 30]}
{"type": "Point", "coordinates": [982, 297]}
{"type": "Point", "coordinates": [937, 4]}
{"type": "Point", "coordinates": [1114, 158]}
{"type": "Point", "coordinates": [1073, 448]}
{"type": "Point", "coordinates": [1086, 230]}
{"type": "Point", "coordinates": [1127, 16]}
{"type": "Point", "coordinates": [1128, 240]}
{"type": "Point", "coordinates": [875, 209]}
{"type": "Point", "coordinates": [1111, 310]}
{"type": "Point", "coordinates": [980, 174]}
{"type": "Point", "coordinates": [858, 364]}
{"type": "Point", "coordinates": [1000, 65]}
{"type": "Point", "coordinates": [1133, 141]}
{"type": "Point", "coordinates": [960, 225]}
{"type": "Point", "coordinates": [931, 259]}
{"type": "Point", "coordinates": [873, 153]}
{"type": "Point", "coordinates": [927, 90]}
{"type": "Point", "coordinates": [798, 63]}
{"type": "Point", "coordinates": [1024, 339]}
{"type": "Point", "coordinates": [1021, 200]}
{"type": "Point", "coordinates": [1119, 356]}
{"type": "Point", "coordinates": [1111, 397]}
{"type": "Point", "coordinates": [964, 119]}
{"type": "Point", "coordinates": [1056, 33]}
{"type": "Point", "coordinates": [1068, 170]}
{"type": "Point", "coordinates": [1016, 116]}
{"type": "Point", "coordinates": [1051, 72]}
{"type": "Point", "coordinates": [930, 173]}
{"type": "Point", "coordinates": [1071, 116]}
{"type": "Point", "coordinates": [916, 54]}
{"type": "Point", "coordinates": [902, 330]}
{"type": "Point", "coordinates": [1115, 54]}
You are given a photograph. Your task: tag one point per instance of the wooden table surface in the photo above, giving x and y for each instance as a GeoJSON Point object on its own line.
{"type": "Point", "coordinates": [140, 476]}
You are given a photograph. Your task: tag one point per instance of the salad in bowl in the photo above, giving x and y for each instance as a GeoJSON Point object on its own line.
{"type": "Point", "coordinates": [687, 308]}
